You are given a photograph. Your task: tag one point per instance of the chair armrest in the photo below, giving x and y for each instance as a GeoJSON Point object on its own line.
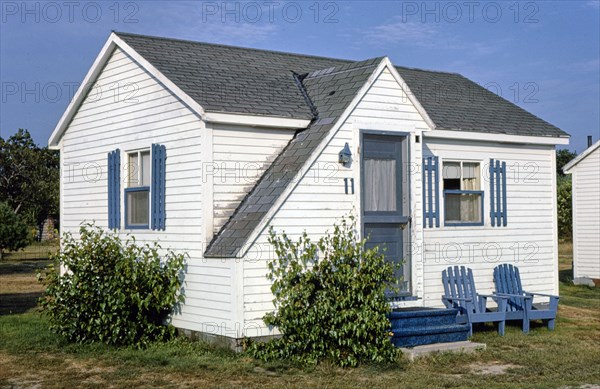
{"type": "Point", "coordinates": [495, 296]}
{"type": "Point", "coordinates": [518, 296]}
{"type": "Point", "coordinates": [457, 298]}
{"type": "Point", "coordinates": [553, 299]}
{"type": "Point", "coordinates": [501, 300]}
{"type": "Point", "coordinates": [541, 294]}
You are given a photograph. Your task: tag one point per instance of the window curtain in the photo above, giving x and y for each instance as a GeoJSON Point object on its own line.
{"type": "Point", "coordinates": [470, 204]}
{"type": "Point", "coordinates": [380, 179]}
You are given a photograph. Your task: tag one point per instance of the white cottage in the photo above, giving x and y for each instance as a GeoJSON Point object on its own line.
{"type": "Point", "coordinates": [585, 171]}
{"type": "Point", "coordinates": [201, 147]}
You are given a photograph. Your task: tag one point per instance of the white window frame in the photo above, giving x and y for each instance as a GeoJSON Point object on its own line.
{"type": "Point", "coordinates": [479, 191]}
{"type": "Point", "coordinates": [137, 188]}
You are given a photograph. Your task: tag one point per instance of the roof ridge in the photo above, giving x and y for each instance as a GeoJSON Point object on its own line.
{"type": "Point", "coordinates": [426, 70]}
{"type": "Point", "coordinates": [344, 68]}
{"type": "Point", "coordinates": [287, 53]}
{"type": "Point", "coordinates": [236, 47]}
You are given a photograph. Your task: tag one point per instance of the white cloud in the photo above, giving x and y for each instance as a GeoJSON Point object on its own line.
{"type": "Point", "coordinates": [592, 65]}
{"type": "Point", "coordinates": [593, 3]}
{"type": "Point", "coordinates": [186, 21]}
{"type": "Point", "coordinates": [418, 34]}
{"type": "Point", "coordinates": [427, 36]}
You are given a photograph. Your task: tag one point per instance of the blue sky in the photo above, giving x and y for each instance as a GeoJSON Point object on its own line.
{"type": "Point", "coordinates": [542, 55]}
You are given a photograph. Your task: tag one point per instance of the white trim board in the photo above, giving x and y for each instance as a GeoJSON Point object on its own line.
{"type": "Point", "coordinates": [409, 94]}
{"type": "Point", "coordinates": [501, 138]}
{"type": "Point", "coordinates": [255, 120]}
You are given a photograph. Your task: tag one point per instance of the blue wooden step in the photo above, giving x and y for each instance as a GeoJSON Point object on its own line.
{"type": "Point", "coordinates": [417, 336]}
{"type": "Point", "coordinates": [420, 317]}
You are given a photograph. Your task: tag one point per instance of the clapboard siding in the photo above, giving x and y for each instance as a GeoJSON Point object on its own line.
{"type": "Point", "coordinates": [528, 241]}
{"type": "Point", "coordinates": [240, 156]}
{"type": "Point", "coordinates": [586, 216]}
{"type": "Point", "coordinates": [319, 199]}
{"type": "Point", "coordinates": [106, 121]}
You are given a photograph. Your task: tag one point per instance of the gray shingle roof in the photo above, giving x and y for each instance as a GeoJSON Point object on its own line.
{"type": "Point", "coordinates": [241, 80]}
{"type": "Point", "coordinates": [232, 79]}
{"type": "Point", "coordinates": [259, 82]}
{"type": "Point", "coordinates": [453, 102]}
{"type": "Point", "coordinates": [344, 81]}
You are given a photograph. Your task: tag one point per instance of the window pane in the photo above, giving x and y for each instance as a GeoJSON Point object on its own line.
{"type": "Point", "coordinates": [451, 170]}
{"type": "Point", "coordinates": [390, 240]}
{"type": "Point", "coordinates": [462, 208]}
{"type": "Point", "coordinates": [137, 208]}
{"type": "Point", "coordinates": [133, 168]}
{"type": "Point", "coordinates": [470, 210]}
{"type": "Point", "coordinates": [380, 185]}
{"type": "Point", "coordinates": [471, 176]}
{"type": "Point", "coordinates": [451, 184]}
{"type": "Point", "coordinates": [452, 208]}
{"type": "Point", "coordinates": [145, 168]}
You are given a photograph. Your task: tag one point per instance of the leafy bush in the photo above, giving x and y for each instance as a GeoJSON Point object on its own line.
{"type": "Point", "coordinates": [565, 208]}
{"type": "Point", "coordinates": [112, 291]}
{"type": "Point", "coordinates": [14, 233]}
{"type": "Point", "coordinates": [330, 300]}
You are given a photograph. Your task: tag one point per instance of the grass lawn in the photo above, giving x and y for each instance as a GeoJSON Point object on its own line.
{"type": "Point", "coordinates": [569, 357]}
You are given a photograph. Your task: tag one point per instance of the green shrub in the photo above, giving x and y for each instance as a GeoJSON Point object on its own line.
{"type": "Point", "coordinates": [112, 291]}
{"type": "Point", "coordinates": [330, 300]}
{"type": "Point", "coordinates": [14, 233]}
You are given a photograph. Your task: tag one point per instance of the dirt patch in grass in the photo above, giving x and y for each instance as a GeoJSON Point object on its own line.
{"type": "Point", "coordinates": [579, 313]}
{"type": "Point", "coordinates": [491, 368]}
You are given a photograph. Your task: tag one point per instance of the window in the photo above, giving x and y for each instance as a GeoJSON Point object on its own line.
{"type": "Point", "coordinates": [463, 197]}
{"type": "Point", "coordinates": [380, 179]}
{"type": "Point", "coordinates": [137, 193]}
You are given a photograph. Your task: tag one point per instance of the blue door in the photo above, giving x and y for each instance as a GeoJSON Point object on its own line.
{"type": "Point", "coordinates": [384, 200]}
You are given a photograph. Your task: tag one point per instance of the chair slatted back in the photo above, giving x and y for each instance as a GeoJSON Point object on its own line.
{"type": "Point", "coordinates": [458, 283]}
{"type": "Point", "coordinates": [508, 280]}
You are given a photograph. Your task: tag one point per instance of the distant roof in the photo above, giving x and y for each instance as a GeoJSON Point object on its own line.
{"type": "Point", "coordinates": [581, 157]}
{"type": "Point", "coordinates": [241, 80]}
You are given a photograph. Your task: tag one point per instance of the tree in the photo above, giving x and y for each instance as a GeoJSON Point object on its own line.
{"type": "Point", "coordinates": [14, 233]}
{"type": "Point", "coordinates": [29, 178]}
{"type": "Point", "coordinates": [563, 157]}
{"type": "Point", "coordinates": [564, 195]}
{"type": "Point", "coordinates": [565, 209]}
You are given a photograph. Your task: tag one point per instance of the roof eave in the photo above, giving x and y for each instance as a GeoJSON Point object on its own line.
{"type": "Point", "coordinates": [568, 167]}
{"type": "Point", "coordinates": [459, 134]}
{"type": "Point", "coordinates": [92, 74]}
{"type": "Point", "coordinates": [114, 41]}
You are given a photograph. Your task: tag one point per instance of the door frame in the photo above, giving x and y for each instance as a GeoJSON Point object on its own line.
{"type": "Point", "coordinates": [405, 219]}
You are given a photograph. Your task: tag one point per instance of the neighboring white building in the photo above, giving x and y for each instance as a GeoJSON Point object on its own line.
{"type": "Point", "coordinates": [201, 147]}
{"type": "Point", "coordinates": [585, 169]}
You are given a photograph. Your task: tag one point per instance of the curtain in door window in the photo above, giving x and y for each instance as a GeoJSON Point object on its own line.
{"type": "Point", "coordinates": [380, 179]}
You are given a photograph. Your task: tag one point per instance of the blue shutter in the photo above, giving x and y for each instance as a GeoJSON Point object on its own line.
{"type": "Point", "coordinates": [159, 156]}
{"type": "Point", "coordinates": [114, 189]}
{"type": "Point", "coordinates": [498, 212]}
{"type": "Point", "coordinates": [431, 191]}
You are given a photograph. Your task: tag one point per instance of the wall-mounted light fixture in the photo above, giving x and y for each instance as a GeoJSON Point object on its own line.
{"type": "Point", "coordinates": [345, 156]}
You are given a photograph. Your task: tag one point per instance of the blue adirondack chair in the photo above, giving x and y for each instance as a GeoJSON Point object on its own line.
{"type": "Point", "coordinates": [520, 303]}
{"type": "Point", "coordinates": [460, 293]}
